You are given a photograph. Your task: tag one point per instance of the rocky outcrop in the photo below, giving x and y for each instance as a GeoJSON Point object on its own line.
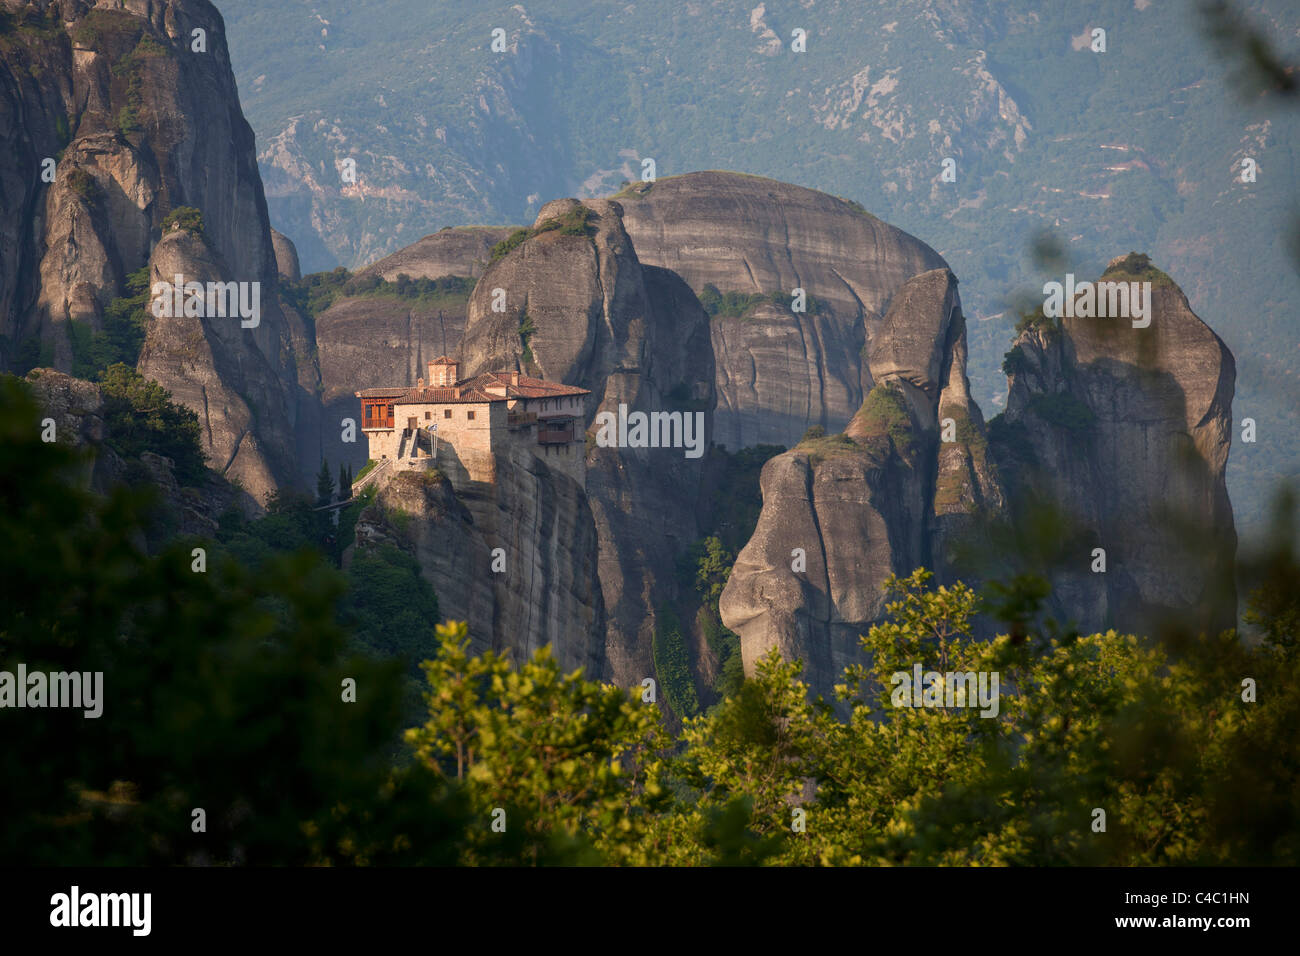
{"type": "Point", "coordinates": [454, 251]}
{"type": "Point", "coordinates": [778, 372]}
{"type": "Point", "coordinates": [77, 409]}
{"type": "Point", "coordinates": [286, 256]}
{"type": "Point", "coordinates": [1125, 431]}
{"type": "Point", "coordinates": [142, 124]}
{"type": "Point", "coordinates": [231, 376]}
{"type": "Point", "coordinates": [843, 512]}
{"type": "Point", "coordinates": [546, 590]}
{"type": "Point", "coordinates": [580, 308]}
{"type": "Point", "coordinates": [921, 345]}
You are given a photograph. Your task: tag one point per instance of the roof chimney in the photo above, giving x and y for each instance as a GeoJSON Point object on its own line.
{"type": "Point", "coordinates": [444, 372]}
{"type": "Point", "coordinates": [514, 377]}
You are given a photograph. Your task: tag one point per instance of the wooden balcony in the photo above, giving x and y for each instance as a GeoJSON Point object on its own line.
{"type": "Point", "coordinates": [554, 434]}
{"type": "Point", "coordinates": [376, 414]}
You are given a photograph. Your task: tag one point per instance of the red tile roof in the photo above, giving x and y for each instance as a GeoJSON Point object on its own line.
{"type": "Point", "coordinates": [473, 391]}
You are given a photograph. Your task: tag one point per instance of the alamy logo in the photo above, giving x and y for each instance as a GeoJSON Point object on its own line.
{"type": "Point", "coordinates": [197, 300]}
{"type": "Point", "coordinates": [951, 689]}
{"type": "Point", "coordinates": [651, 430]}
{"type": "Point", "coordinates": [1099, 300]}
{"type": "Point", "coordinates": [83, 690]}
{"type": "Point", "coordinates": [103, 909]}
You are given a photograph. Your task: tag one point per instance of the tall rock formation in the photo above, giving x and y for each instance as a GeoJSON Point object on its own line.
{"type": "Point", "coordinates": [842, 512]}
{"type": "Point", "coordinates": [580, 308]}
{"type": "Point", "coordinates": [136, 108]}
{"type": "Point", "coordinates": [1126, 431]}
{"type": "Point", "coordinates": [221, 370]}
{"type": "Point", "coordinates": [548, 591]}
{"type": "Point", "coordinates": [778, 372]}
{"type": "Point", "coordinates": [286, 256]}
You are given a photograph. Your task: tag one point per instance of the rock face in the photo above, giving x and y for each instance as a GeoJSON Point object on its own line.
{"type": "Point", "coordinates": [548, 591]}
{"type": "Point", "coordinates": [1126, 431]}
{"type": "Point", "coordinates": [778, 372]}
{"type": "Point", "coordinates": [230, 375]}
{"type": "Point", "coordinates": [146, 125]}
{"type": "Point", "coordinates": [582, 310]}
{"type": "Point", "coordinates": [843, 512]}
{"type": "Point", "coordinates": [458, 251]}
{"type": "Point", "coordinates": [286, 256]}
{"type": "Point", "coordinates": [77, 408]}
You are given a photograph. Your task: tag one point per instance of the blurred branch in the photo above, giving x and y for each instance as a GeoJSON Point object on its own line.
{"type": "Point", "coordinates": [1262, 71]}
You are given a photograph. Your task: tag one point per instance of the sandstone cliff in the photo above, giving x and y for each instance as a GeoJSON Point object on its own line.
{"type": "Point", "coordinates": [138, 122]}
{"type": "Point", "coordinates": [580, 308]}
{"type": "Point", "coordinates": [778, 372]}
{"type": "Point", "coordinates": [286, 256]}
{"type": "Point", "coordinates": [547, 591]}
{"type": "Point", "coordinates": [454, 251]}
{"type": "Point", "coordinates": [78, 410]}
{"type": "Point", "coordinates": [230, 375]}
{"type": "Point", "coordinates": [1126, 431]}
{"type": "Point", "coordinates": [842, 512]}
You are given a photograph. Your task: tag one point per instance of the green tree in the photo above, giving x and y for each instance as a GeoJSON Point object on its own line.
{"type": "Point", "coordinates": [575, 764]}
{"type": "Point", "coordinates": [391, 608]}
{"type": "Point", "coordinates": [182, 217]}
{"type": "Point", "coordinates": [140, 416]}
{"type": "Point", "coordinates": [324, 484]}
{"type": "Point", "coordinates": [713, 570]}
{"type": "Point", "coordinates": [672, 663]}
{"type": "Point", "coordinates": [221, 690]}
{"type": "Point", "coordinates": [753, 755]}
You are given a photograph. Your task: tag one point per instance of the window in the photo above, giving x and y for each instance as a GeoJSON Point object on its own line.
{"type": "Point", "coordinates": [446, 413]}
{"type": "Point", "coordinates": [428, 415]}
{"type": "Point", "coordinates": [469, 416]}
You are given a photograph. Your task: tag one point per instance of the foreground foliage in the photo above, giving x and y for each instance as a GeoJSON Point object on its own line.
{"type": "Point", "coordinates": [226, 690]}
